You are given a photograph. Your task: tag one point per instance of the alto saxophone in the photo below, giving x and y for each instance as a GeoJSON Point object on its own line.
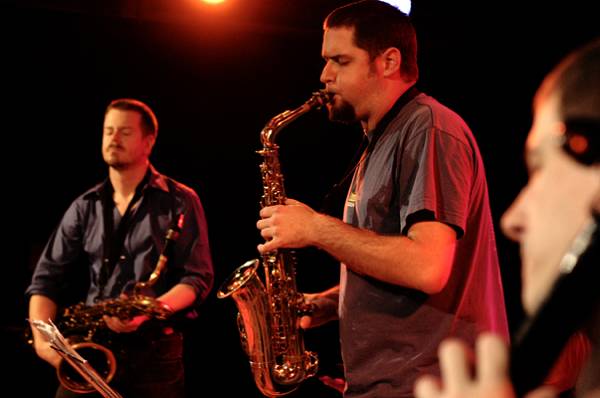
{"type": "Point", "coordinates": [83, 324]}
{"type": "Point", "coordinates": [268, 313]}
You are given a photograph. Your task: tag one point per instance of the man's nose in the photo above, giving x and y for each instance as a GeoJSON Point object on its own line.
{"type": "Point", "coordinates": [513, 220]}
{"type": "Point", "coordinates": [326, 75]}
{"type": "Point", "coordinates": [513, 231]}
{"type": "Point", "coordinates": [116, 138]}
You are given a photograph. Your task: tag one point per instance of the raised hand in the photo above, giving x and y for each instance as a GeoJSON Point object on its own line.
{"type": "Point", "coordinates": [489, 379]}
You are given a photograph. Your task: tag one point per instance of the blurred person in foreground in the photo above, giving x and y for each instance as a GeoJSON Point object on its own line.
{"type": "Point", "coordinates": [555, 219]}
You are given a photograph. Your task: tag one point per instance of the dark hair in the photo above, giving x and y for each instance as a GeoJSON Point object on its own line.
{"type": "Point", "coordinates": [148, 119]}
{"type": "Point", "coordinates": [576, 83]}
{"type": "Point", "coordinates": [377, 27]}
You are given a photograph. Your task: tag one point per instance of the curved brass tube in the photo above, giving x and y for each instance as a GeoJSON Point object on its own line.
{"type": "Point", "coordinates": [101, 359]}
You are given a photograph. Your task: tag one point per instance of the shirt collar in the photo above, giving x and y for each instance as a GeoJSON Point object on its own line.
{"type": "Point", "coordinates": [155, 180]}
{"type": "Point", "coordinates": [405, 98]}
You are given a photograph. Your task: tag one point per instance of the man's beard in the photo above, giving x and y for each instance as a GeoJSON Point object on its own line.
{"type": "Point", "coordinates": [115, 162]}
{"type": "Point", "coordinates": [342, 112]}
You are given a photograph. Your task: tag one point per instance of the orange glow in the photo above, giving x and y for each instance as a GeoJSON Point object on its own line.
{"type": "Point", "coordinates": [214, 1]}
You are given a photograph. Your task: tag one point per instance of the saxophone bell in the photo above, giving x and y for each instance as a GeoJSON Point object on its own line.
{"type": "Point", "coordinates": [278, 362]}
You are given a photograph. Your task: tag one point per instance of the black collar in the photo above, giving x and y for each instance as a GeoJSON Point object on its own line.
{"type": "Point", "coordinates": [404, 99]}
{"type": "Point", "coordinates": [367, 145]}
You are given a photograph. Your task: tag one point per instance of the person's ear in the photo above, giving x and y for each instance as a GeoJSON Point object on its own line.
{"type": "Point", "coordinates": [150, 141]}
{"type": "Point", "coordinates": [392, 60]}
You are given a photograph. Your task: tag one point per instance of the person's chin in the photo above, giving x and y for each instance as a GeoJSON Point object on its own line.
{"type": "Point", "coordinates": [536, 292]}
{"type": "Point", "coordinates": [342, 114]}
{"type": "Point", "coordinates": [529, 304]}
{"type": "Point", "coordinates": [116, 164]}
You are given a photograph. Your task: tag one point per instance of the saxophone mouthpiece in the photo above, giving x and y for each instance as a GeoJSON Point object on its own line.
{"type": "Point", "coordinates": [323, 97]}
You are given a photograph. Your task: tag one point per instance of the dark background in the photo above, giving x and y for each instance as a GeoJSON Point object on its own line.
{"type": "Point", "coordinates": [215, 76]}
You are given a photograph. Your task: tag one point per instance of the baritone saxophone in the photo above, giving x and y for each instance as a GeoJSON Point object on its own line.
{"type": "Point", "coordinates": [268, 312]}
{"type": "Point", "coordinates": [83, 323]}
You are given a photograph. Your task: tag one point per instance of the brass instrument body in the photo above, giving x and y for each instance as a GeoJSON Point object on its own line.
{"type": "Point", "coordinates": [81, 372]}
{"type": "Point", "coordinates": [88, 334]}
{"type": "Point", "coordinates": [100, 359]}
{"type": "Point", "coordinates": [81, 319]}
{"type": "Point", "coordinates": [268, 313]}
{"type": "Point", "coordinates": [84, 325]}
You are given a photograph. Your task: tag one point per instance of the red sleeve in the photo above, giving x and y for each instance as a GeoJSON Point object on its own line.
{"type": "Point", "coordinates": [567, 367]}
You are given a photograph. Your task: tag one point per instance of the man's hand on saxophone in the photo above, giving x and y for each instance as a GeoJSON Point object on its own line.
{"type": "Point", "coordinates": [124, 325]}
{"type": "Point", "coordinates": [296, 225]}
{"type": "Point", "coordinates": [324, 308]}
{"type": "Point", "coordinates": [287, 226]}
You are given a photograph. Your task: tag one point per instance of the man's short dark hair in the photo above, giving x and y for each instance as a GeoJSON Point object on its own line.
{"type": "Point", "coordinates": [377, 27]}
{"type": "Point", "coordinates": [576, 84]}
{"type": "Point", "coordinates": [148, 119]}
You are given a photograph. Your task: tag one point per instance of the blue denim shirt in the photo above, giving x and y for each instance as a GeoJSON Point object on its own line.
{"type": "Point", "coordinates": [81, 233]}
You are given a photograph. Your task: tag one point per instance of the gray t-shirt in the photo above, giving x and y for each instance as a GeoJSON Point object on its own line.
{"type": "Point", "coordinates": [425, 160]}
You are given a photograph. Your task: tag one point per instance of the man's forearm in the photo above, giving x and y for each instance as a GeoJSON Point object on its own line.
{"type": "Point", "coordinates": [179, 297]}
{"type": "Point", "coordinates": [41, 308]}
{"type": "Point", "coordinates": [422, 260]}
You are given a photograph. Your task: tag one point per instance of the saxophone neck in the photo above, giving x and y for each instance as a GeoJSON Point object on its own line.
{"type": "Point", "coordinates": [270, 131]}
{"type": "Point", "coordinates": [163, 258]}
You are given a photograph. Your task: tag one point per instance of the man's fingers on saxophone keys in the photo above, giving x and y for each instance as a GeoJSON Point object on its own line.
{"type": "Point", "coordinates": [112, 323]}
{"type": "Point", "coordinates": [268, 211]}
{"type": "Point", "coordinates": [124, 326]}
{"type": "Point", "coordinates": [267, 230]}
{"type": "Point", "coordinates": [261, 224]}
{"type": "Point", "coordinates": [270, 245]}
{"type": "Point", "coordinates": [267, 233]}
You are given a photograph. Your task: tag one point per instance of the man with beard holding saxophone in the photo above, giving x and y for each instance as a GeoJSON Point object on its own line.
{"type": "Point", "coordinates": [119, 227]}
{"type": "Point", "coordinates": [417, 243]}
{"type": "Point", "coordinates": [555, 219]}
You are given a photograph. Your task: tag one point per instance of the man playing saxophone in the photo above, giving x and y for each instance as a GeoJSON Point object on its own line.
{"type": "Point", "coordinates": [417, 246]}
{"type": "Point", "coordinates": [119, 227]}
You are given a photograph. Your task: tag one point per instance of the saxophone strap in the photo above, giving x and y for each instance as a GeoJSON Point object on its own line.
{"type": "Point", "coordinates": [115, 239]}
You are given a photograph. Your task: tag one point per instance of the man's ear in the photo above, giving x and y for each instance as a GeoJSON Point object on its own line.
{"type": "Point", "coordinates": [392, 60]}
{"type": "Point", "coordinates": [150, 141]}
